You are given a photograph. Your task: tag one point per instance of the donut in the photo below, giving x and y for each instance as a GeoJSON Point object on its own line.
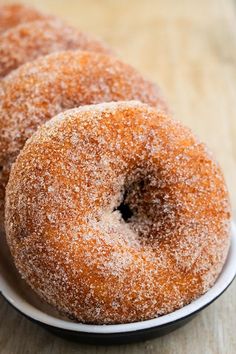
{"type": "Point", "coordinates": [12, 15]}
{"type": "Point", "coordinates": [37, 91]}
{"type": "Point", "coordinates": [30, 40]}
{"type": "Point", "coordinates": [116, 213]}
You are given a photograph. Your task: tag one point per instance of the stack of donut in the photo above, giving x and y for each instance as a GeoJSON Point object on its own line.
{"type": "Point", "coordinates": [113, 211]}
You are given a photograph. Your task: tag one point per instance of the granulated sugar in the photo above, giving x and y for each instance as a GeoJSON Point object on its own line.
{"type": "Point", "coordinates": [28, 41]}
{"type": "Point", "coordinates": [37, 91]}
{"type": "Point", "coordinates": [64, 220]}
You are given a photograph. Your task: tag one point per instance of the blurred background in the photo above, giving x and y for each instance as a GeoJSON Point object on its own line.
{"type": "Point", "coordinates": [189, 49]}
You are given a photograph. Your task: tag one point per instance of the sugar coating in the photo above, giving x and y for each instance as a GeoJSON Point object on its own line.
{"type": "Point", "coordinates": [30, 40]}
{"type": "Point", "coordinates": [14, 14]}
{"type": "Point", "coordinates": [37, 91]}
{"type": "Point", "coordinates": [66, 232]}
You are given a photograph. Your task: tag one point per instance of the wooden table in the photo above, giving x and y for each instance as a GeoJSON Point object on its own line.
{"type": "Point", "coordinates": [189, 48]}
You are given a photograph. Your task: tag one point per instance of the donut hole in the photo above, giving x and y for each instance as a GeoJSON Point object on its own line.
{"type": "Point", "coordinates": [124, 208]}
{"type": "Point", "coordinates": [148, 208]}
{"type": "Point", "coordinates": [125, 211]}
{"type": "Point", "coordinates": [131, 199]}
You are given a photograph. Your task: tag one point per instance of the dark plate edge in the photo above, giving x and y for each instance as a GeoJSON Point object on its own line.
{"type": "Point", "coordinates": [120, 337]}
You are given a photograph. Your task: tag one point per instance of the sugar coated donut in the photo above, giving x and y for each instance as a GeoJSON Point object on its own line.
{"type": "Point", "coordinates": [30, 40]}
{"type": "Point", "coordinates": [12, 15]}
{"type": "Point", "coordinates": [116, 213]}
{"type": "Point", "coordinates": [37, 91]}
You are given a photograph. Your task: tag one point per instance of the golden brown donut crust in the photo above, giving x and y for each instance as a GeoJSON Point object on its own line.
{"type": "Point", "coordinates": [14, 14]}
{"type": "Point", "coordinates": [37, 91]}
{"type": "Point", "coordinates": [31, 40]}
{"type": "Point", "coordinates": [68, 238]}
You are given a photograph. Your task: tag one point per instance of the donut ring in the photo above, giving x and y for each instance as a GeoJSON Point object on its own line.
{"type": "Point", "coordinates": [30, 40]}
{"type": "Point", "coordinates": [64, 204]}
{"type": "Point", "coordinates": [12, 15]}
{"type": "Point", "coordinates": [37, 91]}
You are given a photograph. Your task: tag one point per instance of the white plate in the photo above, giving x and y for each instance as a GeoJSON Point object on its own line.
{"type": "Point", "coordinates": [21, 297]}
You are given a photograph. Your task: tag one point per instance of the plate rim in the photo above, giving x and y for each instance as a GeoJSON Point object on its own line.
{"type": "Point", "coordinates": [172, 323]}
{"type": "Point", "coordinates": [37, 315]}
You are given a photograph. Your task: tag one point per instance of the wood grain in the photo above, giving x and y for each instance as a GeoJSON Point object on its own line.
{"type": "Point", "coordinates": [189, 48]}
